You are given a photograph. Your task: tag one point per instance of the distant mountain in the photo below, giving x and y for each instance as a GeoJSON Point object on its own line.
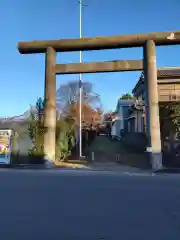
{"type": "Point", "coordinates": [18, 123]}
{"type": "Point", "coordinates": [24, 116]}
{"type": "Point", "coordinates": [19, 118]}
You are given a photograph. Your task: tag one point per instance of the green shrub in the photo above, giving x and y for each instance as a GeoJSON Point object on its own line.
{"type": "Point", "coordinates": [65, 139]}
{"type": "Point", "coordinates": [36, 129]}
{"type": "Point", "coordinates": [65, 134]}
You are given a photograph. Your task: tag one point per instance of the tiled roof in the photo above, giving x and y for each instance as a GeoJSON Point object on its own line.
{"type": "Point", "coordinates": [168, 72]}
{"type": "Point", "coordinates": [162, 73]}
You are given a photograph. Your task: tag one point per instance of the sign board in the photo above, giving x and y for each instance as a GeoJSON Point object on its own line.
{"type": "Point", "coordinates": [169, 95]}
{"type": "Point", "coordinates": [174, 96]}
{"type": "Point", "coordinates": [5, 146]}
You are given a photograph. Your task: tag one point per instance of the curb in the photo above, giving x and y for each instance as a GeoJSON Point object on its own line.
{"type": "Point", "coordinates": [28, 166]}
{"type": "Point", "coordinates": [167, 170]}
{"type": "Point", "coordinates": [71, 165]}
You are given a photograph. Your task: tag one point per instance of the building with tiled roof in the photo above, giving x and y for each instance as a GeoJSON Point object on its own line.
{"type": "Point", "coordinates": [168, 91]}
{"type": "Point", "coordinates": [168, 72]}
{"type": "Point", "coordinates": [165, 74]}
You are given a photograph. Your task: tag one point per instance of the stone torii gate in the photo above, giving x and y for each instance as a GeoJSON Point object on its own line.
{"type": "Point", "coordinates": [147, 41]}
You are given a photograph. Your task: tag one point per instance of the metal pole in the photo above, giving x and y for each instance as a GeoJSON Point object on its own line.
{"type": "Point", "coordinates": [80, 85]}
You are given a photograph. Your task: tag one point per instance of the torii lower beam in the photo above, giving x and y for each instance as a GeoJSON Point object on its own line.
{"type": "Point", "coordinates": [97, 67]}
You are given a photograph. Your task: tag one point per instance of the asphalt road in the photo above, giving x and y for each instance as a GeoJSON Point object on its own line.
{"type": "Point", "coordinates": [60, 204]}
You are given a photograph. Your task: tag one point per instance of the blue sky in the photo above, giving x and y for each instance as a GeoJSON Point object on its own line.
{"type": "Point", "coordinates": [22, 76]}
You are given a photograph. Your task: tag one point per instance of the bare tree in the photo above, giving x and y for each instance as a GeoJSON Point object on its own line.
{"type": "Point", "coordinates": [68, 100]}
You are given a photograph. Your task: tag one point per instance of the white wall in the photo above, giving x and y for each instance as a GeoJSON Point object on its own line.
{"type": "Point", "coordinates": [138, 121]}
{"type": "Point", "coordinates": [140, 97]}
{"type": "Point", "coordinates": [113, 129]}
{"type": "Point", "coordinates": [118, 124]}
{"type": "Point", "coordinates": [138, 117]}
{"type": "Point", "coordinates": [121, 119]}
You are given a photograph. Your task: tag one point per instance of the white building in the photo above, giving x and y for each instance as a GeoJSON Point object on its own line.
{"type": "Point", "coordinates": [120, 122]}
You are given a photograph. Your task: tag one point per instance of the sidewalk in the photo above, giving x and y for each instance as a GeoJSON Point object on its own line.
{"type": "Point", "coordinates": [108, 167]}
{"type": "Point", "coordinates": [103, 154]}
{"type": "Point", "coordinates": [116, 167]}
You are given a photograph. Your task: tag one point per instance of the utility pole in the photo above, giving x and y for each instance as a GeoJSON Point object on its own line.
{"type": "Point", "coordinates": [81, 4]}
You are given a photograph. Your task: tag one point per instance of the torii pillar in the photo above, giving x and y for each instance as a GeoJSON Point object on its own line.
{"type": "Point", "coordinates": [50, 105]}
{"type": "Point", "coordinates": [152, 105]}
